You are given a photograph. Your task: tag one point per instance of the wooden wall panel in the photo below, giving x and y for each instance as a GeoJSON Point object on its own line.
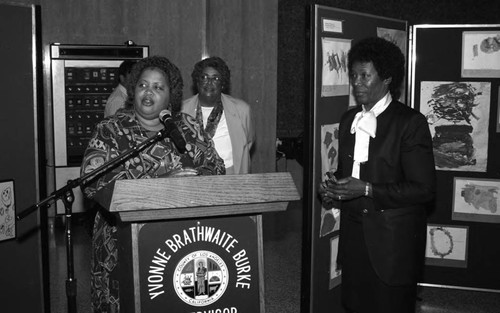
{"type": "Point", "coordinates": [244, 34]}
{"type": "Point", "coordinates": [169, 28]}
{"type": "Point", "coordinates": [21, 272]}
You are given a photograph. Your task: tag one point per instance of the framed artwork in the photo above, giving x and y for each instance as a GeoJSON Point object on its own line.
{"type": "Point", "coordinates": [458, 115]}
{"type": "Point", "coordinates": [7, 210]}
{"type": "Point", "coordinates": [481, 53]}
{"type": "Point", "coordinates": [476, 200]}
{"type": "Point", "coordinates": [446, 245]}
{"type": "Point", "coordinates": [329, 147]}
{"type": "Point", "coordinates": [330, 218]}
{"type": "Point", "coordinates": [330, 221]}
{"type": "Point", "coordinates": [335, 271]}
{"type": "Point", "coordinates": [334, 76]}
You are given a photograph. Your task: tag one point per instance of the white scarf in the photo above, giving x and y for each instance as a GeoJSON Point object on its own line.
{"type": "Point", "coordinates": [364, 126]}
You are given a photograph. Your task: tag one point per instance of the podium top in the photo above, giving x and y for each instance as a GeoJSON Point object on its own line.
{"type": "Point", "coordinates": [201, 196]}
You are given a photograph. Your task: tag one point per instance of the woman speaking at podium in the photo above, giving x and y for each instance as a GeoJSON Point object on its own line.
{"type": "Point", "coordinates": [155, 84]}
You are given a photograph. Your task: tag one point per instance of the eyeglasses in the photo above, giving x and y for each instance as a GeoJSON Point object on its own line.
{"type": "Point", "coordinates": [205, 79]}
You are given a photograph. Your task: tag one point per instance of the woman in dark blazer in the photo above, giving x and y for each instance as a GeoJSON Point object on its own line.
{"type": "Point", "coordinates": [384, 184]}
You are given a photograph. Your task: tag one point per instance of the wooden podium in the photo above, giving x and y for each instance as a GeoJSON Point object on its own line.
{"type": "Point", "coordinates": [194, 244]}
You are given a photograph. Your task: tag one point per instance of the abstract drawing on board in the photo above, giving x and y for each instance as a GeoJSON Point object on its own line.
{"type": "Point", "coordinates": [334, 76]}
{"type": "Point", "coordinates": [7, 210]}
{"type": "Point", "coordinates": [458, 117]}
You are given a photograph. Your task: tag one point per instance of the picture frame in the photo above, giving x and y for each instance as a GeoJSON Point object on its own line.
{"type": "Point", "coordinates": [447, 245]}
{"type": "Point", "coordinates": [476, 200]}
{"type": "Point", "coordinates": [8, 224]}
{"type": "Point", "coordinates": [335, 272]}
{"type": "Point", "coordinates": [458, 115]}
{"type": "Point", "coordinates": [481, 53]}
{"type": "Point", "coordinates": [334, 73]}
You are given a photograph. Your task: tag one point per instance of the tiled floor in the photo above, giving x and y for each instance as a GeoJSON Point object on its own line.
{"type": "Point", "coordinates": [446, 300]}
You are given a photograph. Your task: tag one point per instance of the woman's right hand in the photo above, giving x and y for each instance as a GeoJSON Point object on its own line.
{"type": "Point", "coordinates": [325, 195]}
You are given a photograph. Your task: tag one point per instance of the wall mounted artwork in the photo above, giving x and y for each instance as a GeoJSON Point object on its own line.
{"type": "Point", "coordinates": [330, 217]}
{"type": "Point", "coordinates": [335, 78]}
{"type": "Point", "coordinates": [7, 210]}
{"type": "Point", "coordinates": [446, 245]}
{"type": "Point", "coordinates": [329, 147]}
{"type": "Point", "coordinates": [458, 114]}
{"type": "Point", "coordinates": [481, 53]}
{"type": "Point", "coordinates": [476, 200]}
{"type": "Point", "coordinates": [454, 81]}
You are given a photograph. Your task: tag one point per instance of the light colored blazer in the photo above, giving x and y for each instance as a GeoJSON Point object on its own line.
{"type": "Point", "coordinates": [239, 123]}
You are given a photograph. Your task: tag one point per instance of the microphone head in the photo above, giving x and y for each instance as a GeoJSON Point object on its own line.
{"type": "Point", "coordinates": [164, 114]}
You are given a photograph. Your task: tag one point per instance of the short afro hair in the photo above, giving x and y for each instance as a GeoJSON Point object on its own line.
{"type": "Point", "coordinates": [387, 58]}
{"type": "Point", "coordinates": [172, 75]}
{"type": "Point", "coordinates": [219, 65]}
{"type": "Point", "coordinates": [126, 67]}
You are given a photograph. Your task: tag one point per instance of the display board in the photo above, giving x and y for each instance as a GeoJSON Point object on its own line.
{"type": "Point", "coordinates": [23, 287]}
{"type": "Point", "coordinates": [333, 31]}
{"type": "Point", "coordinates": [455, 75]}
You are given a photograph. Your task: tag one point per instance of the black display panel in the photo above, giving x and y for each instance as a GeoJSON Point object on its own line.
{"type": "Point", "coordinates": [86, 91]}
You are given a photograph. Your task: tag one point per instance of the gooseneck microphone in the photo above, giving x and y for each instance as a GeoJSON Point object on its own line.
{"type": "Point", "coordinates": [172, 130]}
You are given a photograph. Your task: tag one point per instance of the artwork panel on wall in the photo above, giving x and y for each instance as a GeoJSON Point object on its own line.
{"type": "Point", "coordinates": [334, 77]}
{"type": "Point", "coordinates": [458, 117]}
{"type": "Point", "coordinates": [476, 200]}
{"type": "Point", "coordinates": [330, 218]}
{"type": "Point", "coordinates": [7, 210]}
{"type": "Point", "coordinates": [446, 245]}
{"type": "Point", "coordinates": [329, 147]}
{"type": "Point", "coordinates": [330, 221]}
{"type": "Point", "coordinates": [481, 53]}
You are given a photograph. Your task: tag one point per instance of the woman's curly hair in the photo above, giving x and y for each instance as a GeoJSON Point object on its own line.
{"type": "Point", "coordinates": [172, 75]}
{"type": "Point", "coordinates": [216, 63]}
{"type": "Point", "coordinates": [386, 57]}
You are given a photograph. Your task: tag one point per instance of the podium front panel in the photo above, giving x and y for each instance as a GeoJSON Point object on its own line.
{"type": "Point", "coordinates": [199, 265]}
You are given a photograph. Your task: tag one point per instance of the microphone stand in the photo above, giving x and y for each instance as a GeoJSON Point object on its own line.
{"type": "Point", "coordinates": [65, 194]}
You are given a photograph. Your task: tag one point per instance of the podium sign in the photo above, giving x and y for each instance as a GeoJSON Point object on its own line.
{"type": "Point", "coordinates": [205, 265]}
{"type": "Point", "coordinates": [194, 244]}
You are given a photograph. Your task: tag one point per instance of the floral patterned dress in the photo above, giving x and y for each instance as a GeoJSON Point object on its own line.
{"type": "Point", "coordinates": [111, 138]}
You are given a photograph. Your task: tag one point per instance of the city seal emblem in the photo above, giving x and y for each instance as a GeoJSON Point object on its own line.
{"type": "Point", "coordinates": [200, 278]}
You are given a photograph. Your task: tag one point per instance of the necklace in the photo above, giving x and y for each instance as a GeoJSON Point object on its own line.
{"type": "Point", "coordinates": [143, 130]}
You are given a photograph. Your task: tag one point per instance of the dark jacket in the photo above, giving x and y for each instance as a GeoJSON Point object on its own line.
{"type": "Point", "coordinates": [402, 173]}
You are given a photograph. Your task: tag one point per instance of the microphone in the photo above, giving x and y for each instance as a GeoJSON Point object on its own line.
{"type": "Point", "coordinates": [172, 130]}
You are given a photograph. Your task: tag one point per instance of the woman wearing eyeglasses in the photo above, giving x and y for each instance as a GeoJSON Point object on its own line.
{"type": "Point", "coordinates": [226, 120]}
